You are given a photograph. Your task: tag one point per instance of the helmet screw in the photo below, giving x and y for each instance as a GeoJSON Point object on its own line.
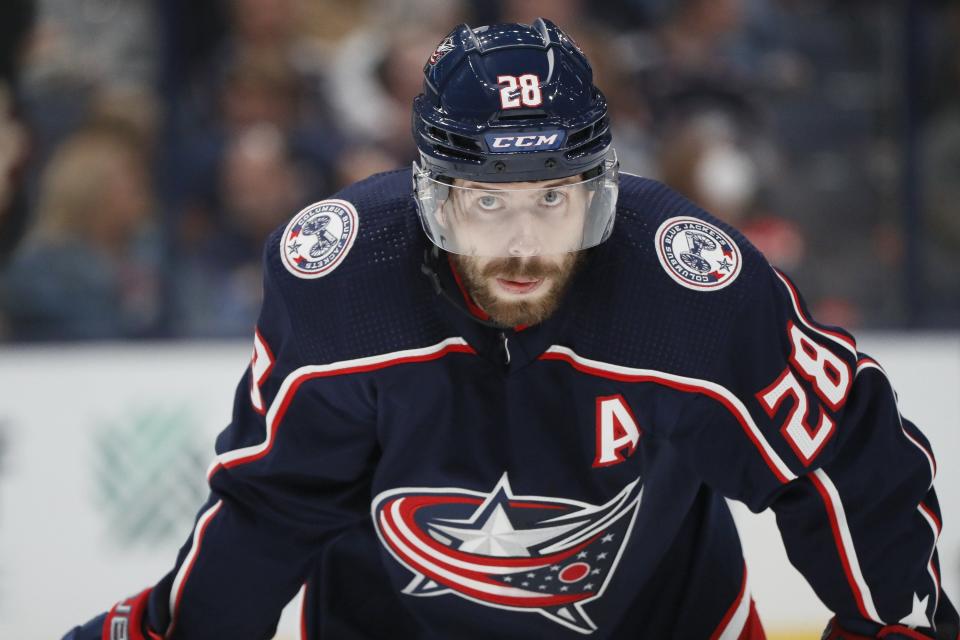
{"type": "Point", "coordinates": [499, 166]}
{"type": "Point", "coordinates": [550, 163]}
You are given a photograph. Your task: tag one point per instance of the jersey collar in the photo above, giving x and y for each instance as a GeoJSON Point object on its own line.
{"type": "Point", "coordinates": [510, 349]}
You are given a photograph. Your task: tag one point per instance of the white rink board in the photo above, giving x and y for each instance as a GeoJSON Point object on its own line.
{"type": "Point", "coordinates": [65, 410]}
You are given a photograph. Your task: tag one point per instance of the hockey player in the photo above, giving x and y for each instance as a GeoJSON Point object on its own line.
{"type": "Point", "coordinates": [523, 423]}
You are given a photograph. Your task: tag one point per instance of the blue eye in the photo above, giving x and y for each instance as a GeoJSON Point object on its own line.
{"type": "Point", "coordinates": [488, 203]}
{"type": "Point", "coordinates": [553, 197]}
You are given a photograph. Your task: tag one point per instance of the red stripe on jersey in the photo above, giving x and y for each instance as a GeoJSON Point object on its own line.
{"type": "Point", "coordinates": [927, 510]}
{"type": "Point", "coordinates": [476, 584]}
{"type": "Point", "coordinates": [753, 630]}
{"type": "Point", "coordinates": [733, 607]}
{"type": "Point", "coordinates": [838, 541]}
{"type": "Point", "coordinates": [194, 552]}
{"type": "Point", "coordinates": [934, 522]}
{"type": "Point", "coordinates": [690, 388]}
{"type": "Point", "coordinates": [303, 613]}
{"type": "Point", "coordinates": [871, 363]}
{"type": "Point", "coordinates": [289, 391]}
{"type": "Point", "coordinates": [927, 450]}
{"type": "Point", "coordinates": [816, 326]}
{"type": "Point", "coordinates": [292, 390]}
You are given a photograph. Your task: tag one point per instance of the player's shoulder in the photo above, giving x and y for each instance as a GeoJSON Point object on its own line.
{"type": "Point", "coordinates": [670, 282]}
{"type": "Point", "coordinates": [683, 247]}
{"type": "Point", "coordinates": [343, 274]}
{"type": "Point", "coordinates": [334, 236]}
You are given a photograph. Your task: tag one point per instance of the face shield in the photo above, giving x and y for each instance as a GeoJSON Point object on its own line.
{"type": "Point", "coordinates": [518, 219]}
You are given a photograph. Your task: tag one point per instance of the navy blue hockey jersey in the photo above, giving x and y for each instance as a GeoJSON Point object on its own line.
{"type": "Point", "coordinates": [430, 476]}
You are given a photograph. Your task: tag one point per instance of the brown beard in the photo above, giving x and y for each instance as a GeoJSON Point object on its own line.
{"type": "Point", "coordinates": [506, 313]}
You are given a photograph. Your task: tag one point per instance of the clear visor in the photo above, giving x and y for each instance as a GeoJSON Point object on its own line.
{"type": "Point", "coordinates": [518, 219]}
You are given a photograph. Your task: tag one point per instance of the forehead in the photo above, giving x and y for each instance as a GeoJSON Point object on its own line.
{"type": "Point", "coordinates": [498, 186]}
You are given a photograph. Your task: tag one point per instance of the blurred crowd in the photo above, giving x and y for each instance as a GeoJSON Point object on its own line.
{"type": "Point", "coordinates": [148, 147]}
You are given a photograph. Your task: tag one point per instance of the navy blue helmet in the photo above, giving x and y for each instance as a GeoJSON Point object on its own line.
{"type": "Point", "coordinates": [510, 102]}
{"type": "Point", "coordinates": [513, 103]}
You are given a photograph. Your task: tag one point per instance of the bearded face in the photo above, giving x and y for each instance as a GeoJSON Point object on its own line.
{"type": "Point", "coordinates": [518, 291]}
{"type": "Point", "coordinates": [516, 243]}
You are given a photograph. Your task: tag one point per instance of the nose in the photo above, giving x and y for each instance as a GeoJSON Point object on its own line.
{"type": "Point", "coordinates": [524, 241]}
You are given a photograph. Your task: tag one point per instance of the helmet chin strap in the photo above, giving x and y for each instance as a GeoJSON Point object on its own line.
{"type": "Point", "coordinates": [430, 268]}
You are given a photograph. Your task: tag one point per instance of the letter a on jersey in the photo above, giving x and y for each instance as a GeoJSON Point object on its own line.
{"type": "Point", "coordinates": [617, 431]}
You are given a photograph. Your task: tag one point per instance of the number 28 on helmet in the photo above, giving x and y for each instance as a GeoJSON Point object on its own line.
{"type": "Point", "coordinates": [514, 144]}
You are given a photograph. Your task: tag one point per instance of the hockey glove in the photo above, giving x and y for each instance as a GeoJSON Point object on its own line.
{"type": "Point", "coordinates": [123, 622]}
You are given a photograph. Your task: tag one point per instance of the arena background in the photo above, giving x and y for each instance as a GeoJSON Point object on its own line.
{"type": "Point", "coordinates": [148, 146]}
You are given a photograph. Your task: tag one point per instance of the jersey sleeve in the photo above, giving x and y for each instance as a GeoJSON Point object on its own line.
{"type": "Point", "coordinates": [292, 467]}
{"type": "Point", "coordinates": [803, 423]}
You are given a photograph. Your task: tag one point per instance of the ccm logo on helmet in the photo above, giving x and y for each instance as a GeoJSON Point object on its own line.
{"type": "Point", "coordinates": [524, 142]}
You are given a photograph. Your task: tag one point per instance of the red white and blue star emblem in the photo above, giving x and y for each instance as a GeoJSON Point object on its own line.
{"type": "Point", "coordinates": [696, 254]}
{"type": "Point", "coordinates": [524, 553]}
{"type": "Point", "coordinates": [445, 47]}
{"type": "Point", "coordinates": [318, 238]}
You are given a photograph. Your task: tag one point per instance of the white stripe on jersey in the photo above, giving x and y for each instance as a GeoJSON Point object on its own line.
{"type": "Point", "coordinates": [342, 367]}
{"type": "Point", "coordinates": [180, 579]}
{"type": "Point", "coordinates": [870, 364]}
{"type": "Point", "coordinates": [842, 341]}
{"type": "Point", "coordinates": [836, 505]}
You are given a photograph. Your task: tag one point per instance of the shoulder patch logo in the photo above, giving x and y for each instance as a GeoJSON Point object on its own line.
{"type": "Point", "coordinates": [318, 238]}
{"type": "Point", "coordinates": [697, 254]}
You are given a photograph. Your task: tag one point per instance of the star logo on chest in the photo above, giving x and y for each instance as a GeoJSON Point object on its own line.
{"type": "Point", "coordinates": [526, 553]}
{"type": "Point", "coordinates": [492, 534]}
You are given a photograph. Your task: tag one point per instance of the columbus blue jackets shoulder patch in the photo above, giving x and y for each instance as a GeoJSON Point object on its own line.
{"type": "Point", "coordinates": [318, 238]}
{"type": "Point", "coordinates": [697, 254]}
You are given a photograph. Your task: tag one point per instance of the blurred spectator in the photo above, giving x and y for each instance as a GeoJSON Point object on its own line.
{"type": "Point", "coordinates": [377, 71]}
{"type": "Point", "coordinates": [711, 160]}
{"type": "Point", "coordinates": [81, 49]}
{"type": "Point", "coordinates": [779, 116]}
{"type": "Point", "coordinates": [85, 269]}
{"type": "Point", "coordinates": [255, 90]}
{"type": "Point", "coordinates": [96, 42]}
{"type": "Point", "coordinates": [568, 14]}
{"type": "Point", "coordinates": [12, 149]}
{"type": "Point", "coordinates": [259, 101]}
{"type": "Point", "coordinates": [696, 45]}
{"type": "Point", "coordinates": [219, 283]}
{"type": "Point", "coordinates": [940, 166]}
{"type": "Point", "coordinates": [266, 42]}
{"type": "Point", "coordinates": [16, 20]}
{"type": "Point", "coordinates": [695, 37]}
